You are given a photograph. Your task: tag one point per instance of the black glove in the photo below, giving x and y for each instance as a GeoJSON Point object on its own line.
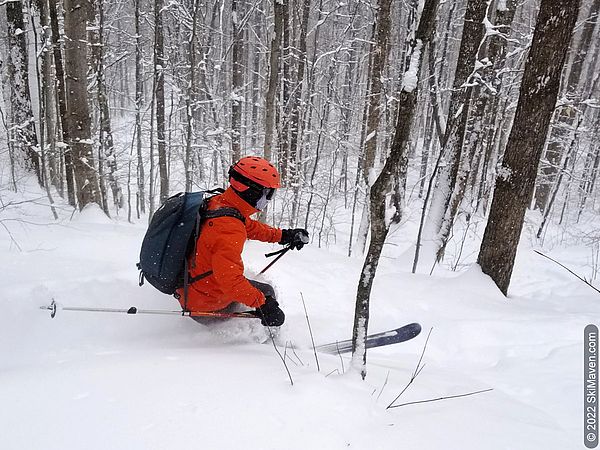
{"type": "Point", "coordinates": [295, 238]}
{"type": "Point", "coordinates": [270, 314]}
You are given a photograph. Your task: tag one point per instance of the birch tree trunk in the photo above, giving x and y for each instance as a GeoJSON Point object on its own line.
{"type": "Point", "coordinates": [537, 98]}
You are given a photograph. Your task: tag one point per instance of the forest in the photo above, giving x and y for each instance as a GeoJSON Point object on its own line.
{"type": "Point", "coordinates": [450, 114]}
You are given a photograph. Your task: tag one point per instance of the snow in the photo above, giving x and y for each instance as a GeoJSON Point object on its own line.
{"type": "Point", "coordinates": [98, 381]}
{"type": "Point", "coordinates": [504, 173]}
{"type": "Point", "coordinates": [411, 76]}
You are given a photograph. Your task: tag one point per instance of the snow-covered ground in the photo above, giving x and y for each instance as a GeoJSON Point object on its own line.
{"type": "Point", "coordinates": [113, 381]}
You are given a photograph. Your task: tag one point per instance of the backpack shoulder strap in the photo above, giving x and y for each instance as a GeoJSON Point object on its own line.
{"type": "Point", "coordinates": [224, 212]}
{"type": "Point", "coordinates": [212, 214]}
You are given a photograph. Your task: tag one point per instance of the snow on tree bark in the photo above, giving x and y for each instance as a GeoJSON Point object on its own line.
{"type": "Point", "coordinates": [537, 98]}
{"type": "Point", "coordinates": [441, 215]}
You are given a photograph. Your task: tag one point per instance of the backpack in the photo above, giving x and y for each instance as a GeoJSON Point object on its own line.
{"type": "Point", "coordinates": [171, 237]}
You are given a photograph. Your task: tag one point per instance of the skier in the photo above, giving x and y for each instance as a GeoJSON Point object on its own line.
{"type": "Point", "coordinates": [221, 240]}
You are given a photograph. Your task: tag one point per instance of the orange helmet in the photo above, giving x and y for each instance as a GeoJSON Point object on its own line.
{"type": "Point", "coordinates": [257, 170]}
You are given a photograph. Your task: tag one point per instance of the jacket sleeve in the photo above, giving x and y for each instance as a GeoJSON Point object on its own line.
{"type": "Point", "coordinates": [227, 265]}
{"type": "Point", "coordinates": [259, 231]}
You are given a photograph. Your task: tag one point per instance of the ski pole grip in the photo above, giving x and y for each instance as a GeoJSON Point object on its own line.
{"type": "Point", "coordinates": [283, 250]}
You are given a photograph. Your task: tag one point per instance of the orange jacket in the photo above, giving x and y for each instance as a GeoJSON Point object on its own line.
{"type": "Point", "coordinates": [219, 248]}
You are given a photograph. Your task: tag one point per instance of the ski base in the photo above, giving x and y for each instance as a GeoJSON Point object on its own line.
{"type": "Point", "coordinates": [402, 334]}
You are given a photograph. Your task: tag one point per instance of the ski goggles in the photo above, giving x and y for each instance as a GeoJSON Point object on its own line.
{"type": "Point", "coordinates": [269, 193]}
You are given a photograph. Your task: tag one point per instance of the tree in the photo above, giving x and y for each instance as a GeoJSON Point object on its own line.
{"type": "Point", "coordinates": [447, 196]}
{"type": "Point", "coordinates": [294, 119]}
{"type": "Point", "coordinates": [395, 164]}
{"type": "Point", "coordinates": [236, 82]}
{"type": "Point", "coordinates": [139, 98]}
{"type": "Point", "coordinates": [566, 115]}
{"type": "Point", "coordinates": [23, 121]}
{"type": "Point", "coordinates": [106, 154]}
{"type": "Point", "coordinates": [78, 118]}
{"type": "Point", "coordinates": [62, 100]}
{"type": "Point", "coordinates": [160, 64]}
{"type": "Point", "coordinates": [190, 98]}
{"type": "Point", "coordinates": [537, 98]}
{"type": "Point", "coordinates": [274, 63]}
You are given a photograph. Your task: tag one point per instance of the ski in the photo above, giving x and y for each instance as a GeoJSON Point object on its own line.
{"type": "Point", "coordinates": [402, 334]}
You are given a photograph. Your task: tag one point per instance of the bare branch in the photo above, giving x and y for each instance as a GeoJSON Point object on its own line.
{"type": "Point", "coordinates": [442, 398]}
{"type": "Point", "coordinates": [569, 270]}
{"type": "Point", "coordinates": [415, 374]}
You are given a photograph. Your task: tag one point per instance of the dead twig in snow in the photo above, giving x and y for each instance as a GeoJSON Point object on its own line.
{"type": "Point", "coordinates": [280, 355]}
{"type": "Point", "coordinates": [415, 374]}
{"type": "Point", "coordinates": [311, 333]}
{"type": "Point", "coordinates": [441, 398]}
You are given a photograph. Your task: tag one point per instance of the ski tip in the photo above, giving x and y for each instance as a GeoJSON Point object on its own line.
{"type": "Point", "coordinates": [416, 328]}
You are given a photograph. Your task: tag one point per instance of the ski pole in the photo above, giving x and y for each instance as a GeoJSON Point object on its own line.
{"type": "Point", "coordinates": [54, 307]}
{"type": "Point", "coordinates": [279, 254]}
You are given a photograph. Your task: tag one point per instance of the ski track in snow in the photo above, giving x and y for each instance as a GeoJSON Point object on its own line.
{"type": "Point", "coordinates": [100, 381]}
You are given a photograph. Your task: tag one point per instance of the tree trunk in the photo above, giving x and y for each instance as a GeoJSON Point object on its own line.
{"type": "Point", "coordinates": [62, 101]}
{"type": "Point", "coordinates": [537, 98]}
{"type": "Point", "coordinates": [273, 79]}
{"type": "Point", "coordinates": [139, 97]}
{"type": "Point", "coordinates": [107, 147]}
{"type": "Point", "coordinates": [297, 95]}
{"type": "Point", "coordinates": [283, 118]}
{"type": "Point", "coordinates": [237, 82]}
{"type": "Point", "coordinates": [380, 52]}
{"type": "Point", "coordinates": [565, 117]}
{"type": "Point", "coordinates": [22, 121]}
{"type": "Point", "coordinates": [159, 92]}
{"type": "Point", "coordinates": [44, 80]}
{"type": "Point", "coordinates": [79, 121]}
{"type": "Point", "coordinates": [484, 93]}
{"type": "Point", "coordinates": [396, 164]}
{"type": "Point", "coordinates": [191, 98]}
{"type": "Point", "coordinates": [441, 214]}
